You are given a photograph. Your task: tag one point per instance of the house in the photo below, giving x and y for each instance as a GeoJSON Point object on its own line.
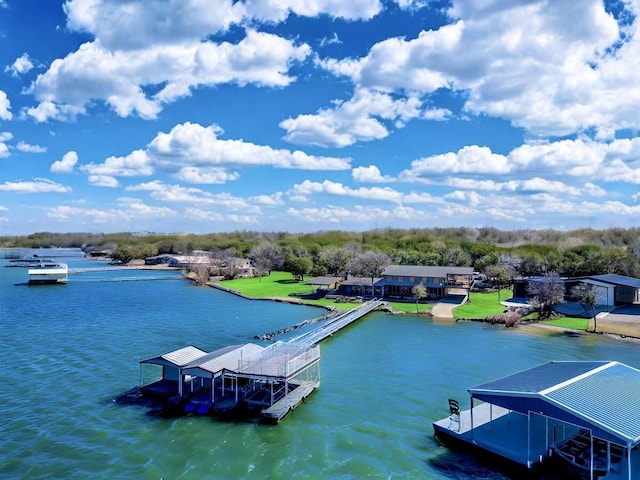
{"type": "Point", "coordinates": [611, 290]}
{"type": "Point", "coordinates": [361, 287]}
{"type": "Point", "coordinates": [325, 283]}
{"type": "Point", "coordinates": [399, 280]}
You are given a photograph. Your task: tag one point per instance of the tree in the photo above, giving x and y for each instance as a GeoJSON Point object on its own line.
{"type": "Point", "coordinates": [369, 264]}
{"type": "Point", "coordinates": [585, 294]}
{"type": "Point", "coordinates": [546, 292]}
{"type": "Point", "coordinates": [419, 291]}
{"type": "Point", "coordinates": [267, 257]}
{"type": "Point", "coordinates": [335, 259]}
{"type": "Point", "coordinates": [499, 275]}
{"type": "Point", "coordinates": [298, 266]}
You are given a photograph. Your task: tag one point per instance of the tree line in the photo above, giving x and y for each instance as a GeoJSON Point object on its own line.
{"type": "Point", "coordinates": [500, 255]}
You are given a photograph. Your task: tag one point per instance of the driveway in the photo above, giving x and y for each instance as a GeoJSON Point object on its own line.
{"type": "Point", "coordinates": [443, 310]}
{"type": "Point", "coordinates": [620, 321]}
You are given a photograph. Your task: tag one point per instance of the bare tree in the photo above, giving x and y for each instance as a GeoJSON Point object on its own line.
{"type": "Point", "coordinates": [546, 292]}
{"type": "Point", "coordinates": [586, 295]}
{"type": "Point", "coordinates": [419, 291]}
{"type": "Point", "coordinates": [369, 264]}
{"type": "Point", "coordinates": [267, 257]}
{"type": "Point", "coordinates": [335, 259]}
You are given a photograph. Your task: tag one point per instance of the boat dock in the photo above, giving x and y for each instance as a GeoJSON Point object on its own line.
{"type": "Point", "coordinates": [495, 428]}
{"type": "Point", "coordinates": [580, 415]}
{"type": "Point", "coordinates": [265, 381]}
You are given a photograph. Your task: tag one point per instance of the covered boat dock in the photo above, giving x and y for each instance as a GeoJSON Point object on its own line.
{"type": "Point", "coordinates": [586, 415]}
{"type": "Point", "coordinates": [268, 381]}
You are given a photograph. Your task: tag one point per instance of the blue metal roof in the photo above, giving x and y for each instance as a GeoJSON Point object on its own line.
{"type": "Point", "coordinates": [602, 396]}
{"type": "Point", "coordinates": [539, 378]}
{"type": "Point", "coordinates": [618, 280]}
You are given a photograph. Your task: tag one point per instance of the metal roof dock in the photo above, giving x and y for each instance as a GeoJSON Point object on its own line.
{"type": "Point", "coordinates": [586, 414]}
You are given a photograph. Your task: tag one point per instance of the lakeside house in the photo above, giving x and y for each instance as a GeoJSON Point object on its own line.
{"type": "Point", "coordinates": [397, 282]}
{"type": "Point", "coordinates": [438, 281]}
{"type": "Point", "coordinates": [362, 287]}
{"type": "Point", "coordinates": [611, 290]}
{"type": "Point", "coordinates": [231, 266]}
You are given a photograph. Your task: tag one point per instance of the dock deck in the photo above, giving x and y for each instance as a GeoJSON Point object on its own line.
{"type": "Point", "coordinates": [286, 404]}
{"type": "Point", "coordinates": [495, 429]}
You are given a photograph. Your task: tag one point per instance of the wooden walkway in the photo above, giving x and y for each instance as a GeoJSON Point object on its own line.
{"type": "Point", "coordinates": [338, 323]}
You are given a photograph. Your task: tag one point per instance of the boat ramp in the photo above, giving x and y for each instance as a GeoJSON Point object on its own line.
{"type": "Point", "coordinates": [246, 380]}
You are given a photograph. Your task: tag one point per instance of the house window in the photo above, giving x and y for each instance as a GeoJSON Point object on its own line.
{"type": "Point", "coordinates": [412, 279]}
{"type": "Point", "coordinates": [400, 279]}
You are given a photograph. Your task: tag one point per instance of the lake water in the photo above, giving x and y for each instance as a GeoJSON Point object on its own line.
{"type": "Point", "coordinates": [68, 350]}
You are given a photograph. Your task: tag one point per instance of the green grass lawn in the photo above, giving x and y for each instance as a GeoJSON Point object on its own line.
{"type": "Point", "coordinates": [282, 284]}
{"type": "Point", "coordinates": [277, 284]}
{"type": "Point", "coordinates": [410, 307]}
{"type": "Point", "coordinates": [482, 305]}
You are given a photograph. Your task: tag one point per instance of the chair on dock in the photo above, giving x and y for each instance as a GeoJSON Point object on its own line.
{"type": "Point", "coordinates": [454, 409]}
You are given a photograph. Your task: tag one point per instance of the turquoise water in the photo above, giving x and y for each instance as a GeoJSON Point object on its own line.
{"type": "Point", "coordinates": [68, 350]}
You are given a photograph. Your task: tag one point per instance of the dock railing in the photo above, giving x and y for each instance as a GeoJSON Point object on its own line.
{"type": "Point", "coordinates": [335, 324]}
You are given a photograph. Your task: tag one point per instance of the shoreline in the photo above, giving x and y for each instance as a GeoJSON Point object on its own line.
{"type": "Point", "coordinates": [541, 327]}
{"type": "Point", "coordinates": [524, 326]}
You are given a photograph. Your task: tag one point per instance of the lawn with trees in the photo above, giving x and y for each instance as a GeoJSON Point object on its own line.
{"type": "Point", "coordinates": [501, 256]}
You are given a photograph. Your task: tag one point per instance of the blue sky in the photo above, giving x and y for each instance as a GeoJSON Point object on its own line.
{"type": "Point", "coordinates": [289, 115]}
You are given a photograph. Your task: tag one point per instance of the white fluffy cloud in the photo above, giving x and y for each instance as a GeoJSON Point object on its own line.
{"type": "Point", "coordinates": [38, 185]}
{"type": "Point", "coordinates": [28, 148]}
{"type": "Point", "coordinates": [590, 160]}
{"type": "Point", "coordinates": [359, 119]}
{"type": "Point", "coordinates": [370, 174]}
{"type": "Point", "coordinates": [5, 106]}
{"type": "Point", "coordinates": [471, 159]}
{"type": "Point", "coordinates": [4, 148]}
{"type": "Point", "coordinates": [127, 212]}
{"type": "Point", "coordinates": [194, 154]}
{"type": "Point", "coordinates": [359, 214]}
{"type": "Point", "coordinates": [554, 68]}
{"type": "Point", "coordinates": [194, 196]}
{"type": "Point", "coordinates": [192, 144]}
{"type": "Point", "coordinates": [159, 43]}
{"type": "Point", "coordinates": [118, 77]}
{"type": "Point", "coordinates": [137, 23]}
{"type": "Point", "coordinates": [66, 164]}
{"type": "Point", "coordinates": [306, 188]}
{"type": "Point", "coordinates": [135, 164]}
{"type": "Point", "coordinates": [21, 65]}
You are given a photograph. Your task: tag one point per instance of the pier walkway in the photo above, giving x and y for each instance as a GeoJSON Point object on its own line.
{"type": "Point", "coordinates": [338, 323]}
